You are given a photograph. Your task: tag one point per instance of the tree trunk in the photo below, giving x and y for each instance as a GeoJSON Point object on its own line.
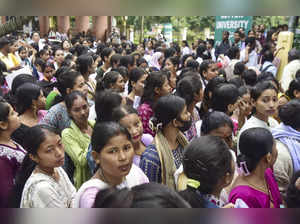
{"type": "Point", "coordinates": [142, 29]}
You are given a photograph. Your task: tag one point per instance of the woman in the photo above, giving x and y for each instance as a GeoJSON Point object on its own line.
{"type": "Point", "coordinates": [113, 153]}
{"type": "Point", "coordinates": [209, 167]}
{"type": "Point", "coordinates": [41, 182]}
{"type": "Point", "coordinates": [30, 105]}
{"type": "Point", "coordinates": [77, 137]}
{"type": "Point", "coordinates": [294, 89]}
{"type": "Point", "coordinates": [59, 57]}
{"type": "Point", "coordinates": [161, 159]}
{"type": "Point", "coordinates": [112, 80]}
{"type": "Point", "coordinates": [156, 61]}
{"type": "Point", "coordinates": [190, 89]}
{"type": "Point", "coordinates": [156, 86]}
{"type": "Point", "coordinates": [86, 66]}
{"type": "Point", "coordinates": [67, 82]}
{"type": "Point", "coordinates": [172, 64]}
{"type": "Point", "coordinates": [287, 135]}
{"type": "Point", "coordinates": [128, 117]}
{"type": "Point", "coordinates": [11, 154]}
{"type": "Point", "coordinates": [264, 100]}
{"type": "Point", "coordinates": [136, 85]}
{"type": "Point", "coordinates": [256, 185]}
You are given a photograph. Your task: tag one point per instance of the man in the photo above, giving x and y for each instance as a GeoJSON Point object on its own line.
{"type": "Point", "coordinates": [237, 39]}
{"type": "Point", "coordinates": [224, 45]}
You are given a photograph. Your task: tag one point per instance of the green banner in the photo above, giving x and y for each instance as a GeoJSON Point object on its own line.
{"type": "Point", "coordinates": [231, 24]}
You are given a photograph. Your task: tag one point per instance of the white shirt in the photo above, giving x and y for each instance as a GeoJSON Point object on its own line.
{"type": "Point", "coordinates": [289, 73]}
{"type": "Point", "coordinates": [271, 68]}
{"type": "Point", "coordinates": [253, 58]}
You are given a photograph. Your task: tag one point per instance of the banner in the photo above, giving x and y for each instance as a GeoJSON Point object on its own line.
{"type": "Point", "coordinates": [231, 24]}
{"type": "Point", "coordinates": [168, 29]}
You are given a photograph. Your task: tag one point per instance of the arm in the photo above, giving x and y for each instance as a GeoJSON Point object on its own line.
{"type": "Point", "coordinates": [150, 164]}
{"type": "Point", "coordinates": [72, 147]}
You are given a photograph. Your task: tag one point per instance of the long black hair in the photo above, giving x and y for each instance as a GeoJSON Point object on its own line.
{"type": "Point", "coordinates": [206, 159]}
{"type": "Point", "coordinates": [35, 136]}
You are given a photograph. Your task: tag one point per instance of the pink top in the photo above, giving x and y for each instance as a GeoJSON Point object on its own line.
{"type": "Point", "coordinates": [145, 112]}
{"type": "Point", "coordinates": [255, 198]}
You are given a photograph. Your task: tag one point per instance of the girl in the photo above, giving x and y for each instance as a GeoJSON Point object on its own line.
{"type": "Point", "coordinates": [48, 78]}
{"type": "Point", "coordinates": [161, 159]}
{"type": "Point", "coordinates": [59, 57]}
{"type": "Point", "coordinates": [172, 65]}
{"type": "Point", "coordinates": [23, 53]}
{"type": "Point", "coordinates": [112, 80]}
{"type": "Point", "coordinates": [86, 66]}
{"type": "Point", "coordinates": [156, 86]}
{"type": "Point", "coordinates": [67, 82]}
{"type": "Point", "coordinates": [256, 185]}
{"type": "Point", "coordinates": [77, 137]}
{"type": "Point", "coordinates": [113, 153]}
{"type": "Point", "coordinates": [128, 118]}
{"type": "Point", "coordinates": [136, 85]}
{"type": "Point", "coordinates": [30, 105]}
{"type": "Point", "coordinates": [264, 100]}
{"type": "Point", "coordinates": [294, 89]}
{"type": "Point", "coordinates": [11, 154]}
{"type": "Point", "coordinates": [156, 61]}
{"type": "Point", "coordinates": [41, 182]}
{"type": "Point", "coordinates": [190, 89]}
{"type": "Point", "coordinates": [208, 70]}
{"type": "Point", "coordinates": [209, 167]}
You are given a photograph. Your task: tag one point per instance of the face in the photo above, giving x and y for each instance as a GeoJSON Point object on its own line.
{"type": "Point", "coordinates": [115, 159]}
{"type": "Point", "coordinates": [59, 56]}
{"type": "Point", "coordinates": [80, 111]}
{"type": "Point", "coordinates": [266, 104]}
{"type": "Point", "coordinates": [170, 66]}
{"type": "Point", "coordinates": [66, 45]}
{"type": "Point", "coordinates": [133, 124]}
{"type": "Point", "coordinates": [51, 152]}
{"type": "Point", "coordinates": [172, 80]}
{"type": "Point", "coordinates": [251, 34]}
{"type": "Point", "coordinates": [45, 56]}
{"type": "Point", "coordinates": [13, 119]}
{"type": "Point", "coordinates": [80, 85]}
{"type": "Point", "coordinates": [224, 132]}
{"type": "Point", "coordinates": [119, 86]}
{"type": "Point", "coordinates": [139, 85]}
{"type": "Point", "coordinates": [23, 54]}
{"type": "Point", "coordinates": [247, 100]}
{"type": "Point", "coordinates": [49, 72]}
{"type": "Point", "coordinates": [36, 37]}
{"type": "Point", "coordinates": [225, 36]}
{"type": "Point", "coordinates": [185, 115]}
{"type": "Point", "coordinates": [236, 37]}
{"type": "Point", "coordinates": [161, 60]}
{"type": "Point", "coordinates": [85, 43]}
{"type": "Point", "coordinates": [165, 89]}
{"type": "Point", "coordinates": [109, 56]}
{"type": "Point", "coordinates": [211, 72]}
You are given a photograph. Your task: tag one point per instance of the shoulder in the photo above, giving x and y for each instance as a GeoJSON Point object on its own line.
{"type": "Point", "coordinates": [10, 153]}
{"type": "Point", "coordinates": [147, 139]}
{"type": "Point", "coordinates": [137, 176]}
{"type": "Point", "coordinates": [150, 152]}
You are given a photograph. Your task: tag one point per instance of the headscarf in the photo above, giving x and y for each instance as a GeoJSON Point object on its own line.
{"type": "Point", "coordinates": [154, 60]}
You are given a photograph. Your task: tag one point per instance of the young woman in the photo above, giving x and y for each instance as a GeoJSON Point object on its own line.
{"type": "Point", "coordinates": [67, 82]}
{"type": "Point", "coordinates": [156, 61]}
{"type": "Point", "coordinates": [112, 80]}
{"type": "Point", "coordinates": [264, 100]}
{"type": "Point", "coordinates": [59, 57]}
{"type": "Point", "coordinates": [209, 167]}
{"type": "Point", "coordinates": [11, 154]}
{"type": "Point", "coordinates": [156, 86]}
{"type": "Point", "coordinates": [287, 135]}
{"type": "Point", "coordinates": [172, 64]}
{"type": "Point", "coordinates": [190, 89]}
{"type": "Point", "coordinates": [294, 89]}
{"type": "Point", "coordinates": [23, 53]}
{"type": "Point", "coordinates": [161, 159]}
{"type": "Point", "coordinates": [208, 70]}
{"type": "Point", "coordinates": [256, 185]}
{"type": "Point", "coordinates": [48, 79]}
{"type": "Point", "coordinates": [106, 54]}
{"type": "Point", "coordinates": [113, 153]}
{"type": "Point", "coordinates": [77, 137]}
{"type": "Point", "coordinates": [86, 66]}
{"type": "Point", "coordinates": [41, 182]}
{"type": "Point", "coordinates": [30, 105]}
{"type": "Point", "coordinates": [128, 117]}
{"type": "Point", "coordinates": [136, 85]}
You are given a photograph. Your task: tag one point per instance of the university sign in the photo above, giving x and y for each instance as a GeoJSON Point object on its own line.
{"type": "Point", "coordinates": [231, 23]}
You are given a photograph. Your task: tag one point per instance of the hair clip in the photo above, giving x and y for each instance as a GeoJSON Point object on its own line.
{"type": "Point", "coordinates": [244, 168]}
{"type": "Point", "coordinates": [193, 183]}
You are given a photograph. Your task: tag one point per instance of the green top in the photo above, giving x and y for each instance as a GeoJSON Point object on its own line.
{"type": "Point", "coordinates": [76, 146]}
{"type": "Point", "coordinates": [50, 98]}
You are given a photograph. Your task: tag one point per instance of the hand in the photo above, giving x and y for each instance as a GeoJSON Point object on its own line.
{"type": "Point", "coordinates": [242, 108]}
{"type": "Point", "coordinates": [230, 205]}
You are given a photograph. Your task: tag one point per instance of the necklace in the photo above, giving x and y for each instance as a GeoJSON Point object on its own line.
{"type": "Point", "coordinates": [263, 190]}
{"type": "Point", "coordinates": [102, 177]}
{"type": "Point", "coordinates": [53, 175]}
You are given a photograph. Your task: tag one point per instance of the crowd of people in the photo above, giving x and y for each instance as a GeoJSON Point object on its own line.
{"type": "Point", "coordinates": [118, 125]}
